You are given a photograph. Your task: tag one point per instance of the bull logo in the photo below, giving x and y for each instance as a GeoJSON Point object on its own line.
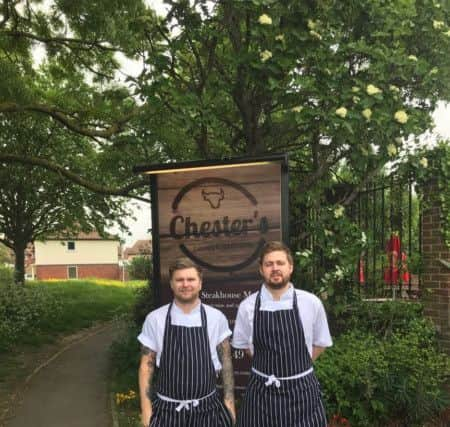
{"type": "Point", "coordinates": [213, 197]}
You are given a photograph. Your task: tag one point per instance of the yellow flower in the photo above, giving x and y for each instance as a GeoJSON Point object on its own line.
{"type": "Point", "coordinates": [265, 19]}
{"type": "Point", "coordinates": [412, 57]}
{"type": "Point", "coordinates": [367, 113]}
{"type": "Point", "coordinates": [392, 150]}
{"type": "Point", "coordinates": [297, 109]}
{"type": "Point", "coordinates": [339, 211]}
{"type": "Point", "coordinates": [341, 112]}
{"type": "Point", "coordinates": [394, 88]}
{"type": "Point", "coordinates": [355, 89]}
{"type": "Point", "coordinates": [311, 24]}
{"type": "Point", "coordinates": [372, 90]}
{"type": "Point", "coordinates": [437, 25]}
{"type": "Point", "coordinates": [447, 33]}
{"type": "Point", "coordinates": [401, 117]}
{"type": "Point", "coordinates": [280, 38]}
{"type": "Point", "coordinates": [424, 162]}
{"type": "Point", "coordinates": [265, 55]}
{"type": "Point", "coordinates": [356, 99]}
{"type": "Point", "coordinates": [315, 34]}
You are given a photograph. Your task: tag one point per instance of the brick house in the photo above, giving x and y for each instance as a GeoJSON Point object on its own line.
{"type": "Point", "coordinates": [140, 248]}
{"type": "Point", "coordinates": [84, 255]}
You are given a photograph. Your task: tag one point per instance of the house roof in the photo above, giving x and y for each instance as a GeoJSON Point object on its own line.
{"type": "Point", "coordinates": [140, 247]}
{"type": "Point", "coordinates": [92, 235]}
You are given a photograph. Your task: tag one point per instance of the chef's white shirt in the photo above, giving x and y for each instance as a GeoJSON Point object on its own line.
{"type": "Point", "coordinates": [312, 314]}
{"type": "Point", "coordinates": [152, 335]}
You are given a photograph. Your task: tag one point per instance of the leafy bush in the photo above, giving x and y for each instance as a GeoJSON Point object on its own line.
{"type": "Point", "coordinates": [385, 367]}
{"type": "Point", "coordinates": [144, 304]}
{"type": "Point", "coordinates": [140, 268]}
{"type": "Point", "coordinates": [23, 311]}
{"type": "Point", "coordinates": [6, 274]}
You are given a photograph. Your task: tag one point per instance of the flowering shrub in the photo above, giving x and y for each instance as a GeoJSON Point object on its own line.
{"type": "Point", "coordinates": [23, 311]}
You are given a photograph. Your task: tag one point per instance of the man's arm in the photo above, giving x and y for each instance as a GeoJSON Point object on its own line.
{"type": "Point", "coordinates": [224, 353]}
{"type": "Point", "coordinates": [316, 352]}
{"type": "Point", "coordinates": [146, 371]}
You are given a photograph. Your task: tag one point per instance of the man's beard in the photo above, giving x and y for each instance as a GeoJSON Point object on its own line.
{"type": "Point", "coordinates": [278, 285]}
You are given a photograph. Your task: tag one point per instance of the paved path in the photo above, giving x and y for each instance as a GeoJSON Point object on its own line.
{"type": "Point", "coordinates": [71, 390]}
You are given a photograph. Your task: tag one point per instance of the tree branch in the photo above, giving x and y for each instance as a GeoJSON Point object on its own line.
{"type": "Point", "coordinates": [58, 115]}
{"type": "Point", "coordinates": [60, 170]}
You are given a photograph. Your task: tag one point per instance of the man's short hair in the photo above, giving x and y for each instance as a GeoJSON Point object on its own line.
{"type": "Point", "coordinates": [275, 246]}
{"type": "Point", "coordinates": [181, 264]}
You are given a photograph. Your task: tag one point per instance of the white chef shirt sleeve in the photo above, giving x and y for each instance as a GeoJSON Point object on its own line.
{"type": "Point", "coordinates": [321, 332]}
{"type": "Point", "coordinates": [242, 329]}
{"type": "Point", "coordinates": [223, 330]}
{"type": "Point", "coordinates": [148, 335]}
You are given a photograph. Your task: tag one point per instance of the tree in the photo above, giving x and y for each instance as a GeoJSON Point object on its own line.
{"type": "Point", "coordinates": [140, 268]}
{"type": "Point", "coordinates": [338, 85]}
{"type": "Point", "coordinates": [35, 204]}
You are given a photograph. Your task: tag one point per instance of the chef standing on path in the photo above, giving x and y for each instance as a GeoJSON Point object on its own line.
{"type": "Point", "coordinates": [285, 330]}
{"type": "Point", "coordinates": [189, 342]}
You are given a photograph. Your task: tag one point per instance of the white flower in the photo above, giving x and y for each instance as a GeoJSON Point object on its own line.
{"type": "Point", "coordinates": [265, 55]}
{"type": "Point", "coordinates": [339, 211]}
{"type": "Point", "coordinates": [363, 238]}
{"type": "Point", "coordinates": [279, 38]}
{"type": "Point", "coordinates": [447, 33]}
{"type": "Point", "coordinates": [265, 19]}
{"type": "Point", "coordinates": [412, 58]}
{"type": "Point", "coordinates": [437, 25]}
{"type": "Point", "coordinates": [372, 90]}
{"type": "Point", "coordinates": [311, 24]}
{"type": "Point", "coordinates": [341, 112]}
{"type": "Point", "coordinates": [398, 140]}
{"type": "Point", "coordinates": [356, 99]}
{"type": "Point", "coordinates": [339, 274]}
{"type": "Point", "coordinates": [335, 251]}
{"type": "Point", "coordinates": [315, 34]}
{"type": "Point", "coordinates": [355, 89]}
{"type": "Point", "coordinates": [434, 70]}
{"type": "Point", "coordinates": [306, 253]}
{"type": "Point", "coordinates": [392, 150]}
{"type": "Point", "coordinates": [367, 113]}
{"type": "Point", "coordinates": [297, 109]}
{"type": "Point", "coordinates": [424, 162]}
{"type": "Point", "coordinates": [328, 232]}
{"type": "Point", "coordinates": [394, 88]}
{"type": "Point", "coordinates": [401, 117]}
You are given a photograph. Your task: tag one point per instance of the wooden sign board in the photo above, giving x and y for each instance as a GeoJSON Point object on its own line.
{"type": "Point", "coordinates": [219, 215]}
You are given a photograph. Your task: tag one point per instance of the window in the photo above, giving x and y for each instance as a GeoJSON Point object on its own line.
{"type": "Point", "coordinates": [72, 272]}
{"type": "Point", "coordinates": [70, 246]}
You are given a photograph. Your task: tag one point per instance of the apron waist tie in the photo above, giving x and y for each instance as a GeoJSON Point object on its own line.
{"type": "Point", "coordinates": [272, 379]}
{"type": "Point", "coordinates": [184, 404]}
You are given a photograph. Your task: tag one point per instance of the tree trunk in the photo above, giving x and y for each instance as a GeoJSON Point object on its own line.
{"type": "Point", "coordinates": [19, 265]}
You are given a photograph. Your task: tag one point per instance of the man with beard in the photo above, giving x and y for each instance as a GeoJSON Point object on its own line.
{"type": "Point", "coordinates": [285, 330]}
{"type": "Point", "coordinates": [189, 342]}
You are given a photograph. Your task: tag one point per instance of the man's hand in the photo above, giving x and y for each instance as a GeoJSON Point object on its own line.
{"type": "Point", "coordinates": [229, 404]}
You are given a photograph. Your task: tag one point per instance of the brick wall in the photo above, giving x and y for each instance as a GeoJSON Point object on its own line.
{"type": "Point", "coordinates": [436, 276]}
{"type": "Point", "coordinates": [100, 271]}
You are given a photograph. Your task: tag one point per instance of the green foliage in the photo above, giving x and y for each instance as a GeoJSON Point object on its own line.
{"type": "Point", "coordinates": [143, 305]}
{"type": "Point", "coordinates": [385, 367]}
{"type": "Point", "coordinates": [140, 268]}
{"type": "Point", "coordinates": [6, 275]}
{"type": "Point", "coordinates": [39, 311]}
{"type": "Point", "coordinates": [24, 312]}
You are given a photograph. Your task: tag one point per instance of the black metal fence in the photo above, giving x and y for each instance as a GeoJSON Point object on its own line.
{"type": "Point", "coordinates": [389, 213]}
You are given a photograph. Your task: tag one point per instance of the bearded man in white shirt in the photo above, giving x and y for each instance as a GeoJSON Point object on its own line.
{"type": "Point", "coordinates": [284, 330]}
{"type": "Point", "coordinates": [189, 342]}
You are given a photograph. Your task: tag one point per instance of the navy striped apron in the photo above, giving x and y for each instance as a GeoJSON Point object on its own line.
{"type": "Point", "coordinates": [280, 351]}
{"type": "Point", "coordinates": [187, 395]}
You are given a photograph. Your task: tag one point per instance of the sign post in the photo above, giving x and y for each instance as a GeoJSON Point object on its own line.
{"type": "Point", "coordinates": [218, 214]}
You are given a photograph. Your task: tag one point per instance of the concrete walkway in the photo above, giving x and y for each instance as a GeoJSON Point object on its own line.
{"type": "Point", "coordinates": [70, 390]}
